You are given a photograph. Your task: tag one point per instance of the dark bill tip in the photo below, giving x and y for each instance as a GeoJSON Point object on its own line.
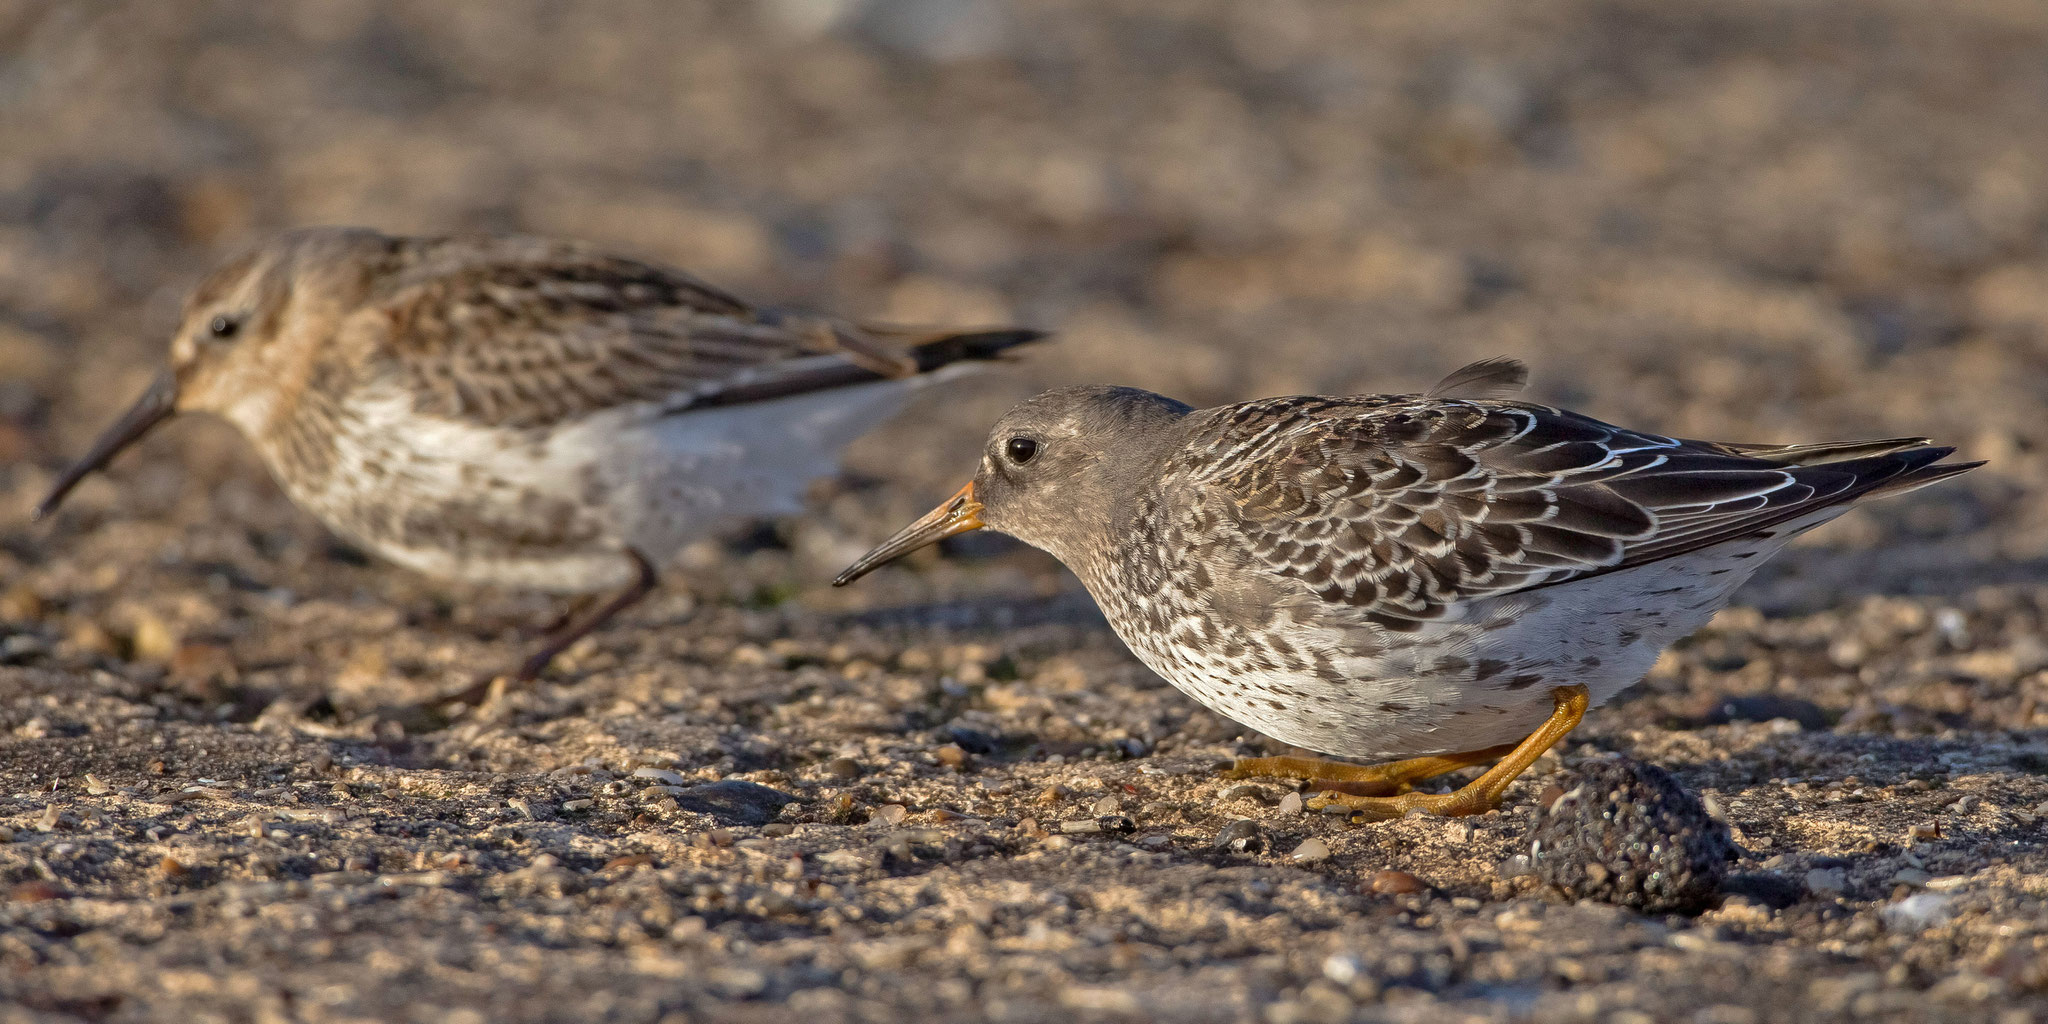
{"type": "Point", "coordinates": [155, 406]}
{"type": "Point", "coordinates": [959, 514]}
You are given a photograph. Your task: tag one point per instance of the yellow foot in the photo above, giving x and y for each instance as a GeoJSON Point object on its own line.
{"type": "Point", "coordinates": [1361, 779]}
{"type": "Point", "coordinates": [1481, 794]}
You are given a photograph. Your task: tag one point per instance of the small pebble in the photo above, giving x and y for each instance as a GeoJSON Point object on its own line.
{"type": "Point", "coordinates": [1242, 836]}
{"type": "Point", "coordinates": [1345, 968]}
{"type": "Point", "coordinates": [843, 768]}
{"type": "Point", "coordinates": [1394, 882]}
{"type": "Point", "coordinates": [661, 775]}
{"type": "Point", "coordinates": [20, 604]}
{"type": "Point", "coordinates": [1919, 912]}
{"type": "Point", "coordinates": [1911, 876]}
{"type": "Point", "coordinates": [1827, 883]}
{"type": "Point", "coordinates": [35, 892]}
{"type": "Point", "coordinates": [154, 639]}
{"type": "Point", "coordinates": [1248, 792]}
{"type": "Point", "coordinates": [889, 814]}
{"type": "Point", "coordinates": [1107, 805]}
{"type": "Point", "coordinates": [1310, 851]}
{"type": "Point", "coordinates": [1924, 832]}
{"type": "Point", "coordinates": [1290, 804]}
{"type": "Point", "coordinates": [952, 755]}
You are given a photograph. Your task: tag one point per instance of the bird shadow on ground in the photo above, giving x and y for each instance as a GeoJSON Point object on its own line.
{"type": "Point", "coordinates": [993, 613]}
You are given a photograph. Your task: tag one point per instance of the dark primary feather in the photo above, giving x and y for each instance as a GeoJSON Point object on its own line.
{"type": "Point", "coordinates": [526, 333]}
{"type": "Point", "coordinates": [1404, 505]}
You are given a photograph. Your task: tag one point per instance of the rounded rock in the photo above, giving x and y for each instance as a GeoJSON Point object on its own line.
{"type": "Point", "coordinates": [1627, 833]}
{"type": "Point", "coordinates": [1310, 851]}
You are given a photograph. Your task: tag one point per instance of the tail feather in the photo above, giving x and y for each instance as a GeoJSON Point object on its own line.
{"type": "Point", "coordinates": [1824, 452]}
{"type": "Point", "coordinates": [969, 346]}
{"type": "Point", "coordinates": [917, 352]}
{"type": "Point", "coordinates": [1846, 480]}
{"type": "Point", "coordinates": [1915, 479]}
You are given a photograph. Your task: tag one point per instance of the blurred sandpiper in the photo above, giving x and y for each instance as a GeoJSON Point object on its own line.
{"type": "Point", "coordinates": [520, 412]}
{"type": "Point", "coordinates": [1447, 578]}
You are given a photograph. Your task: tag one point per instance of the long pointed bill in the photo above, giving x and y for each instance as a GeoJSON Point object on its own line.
{"type": "Point", "coordinates": [959, 514]}
{"type": "Point", "coordinates": [155, 406]}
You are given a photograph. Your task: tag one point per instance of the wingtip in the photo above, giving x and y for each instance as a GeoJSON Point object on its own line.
{"type": "Point", "coordinates": [974, 345]}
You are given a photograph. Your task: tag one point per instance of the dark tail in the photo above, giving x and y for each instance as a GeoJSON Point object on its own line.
{"type": "Point", "coordinates": [1867, 476]}
{"type": "Point", "coordinates": [933, 349]}
{"type": "Point", "coordinates": [1890, 466]}
{"type": "Point", "coordinates": [1825, 451]}
{"type": "Point", "coordinates": [928, 351]}
{"type": "Point", "coordinates": [1921, 476]}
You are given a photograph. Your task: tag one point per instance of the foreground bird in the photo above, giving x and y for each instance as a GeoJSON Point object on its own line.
{"type": "Point", "coordinates": [1449, 578]}
{"type": "Point", "coordinates": [519, 412]}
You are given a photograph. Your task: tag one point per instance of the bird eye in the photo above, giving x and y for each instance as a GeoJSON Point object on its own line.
{"type": "Point", "coordinates": [1021, 450]}
{"type": "Point", "coordinates": [224, 326]}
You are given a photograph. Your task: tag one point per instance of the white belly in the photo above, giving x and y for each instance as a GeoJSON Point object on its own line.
{"type": "Point", "coordinates": [1480, 677]}
{"type": "Point", "coordinates": [555, 509]}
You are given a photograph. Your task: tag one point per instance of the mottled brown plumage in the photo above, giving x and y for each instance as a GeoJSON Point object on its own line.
{"type": "Point", "coordinates": [1427, 576]}
{"type": "Point", "coordinates": [519, 411]}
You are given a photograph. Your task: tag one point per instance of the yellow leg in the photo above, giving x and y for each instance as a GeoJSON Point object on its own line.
{"type": "Point", "coordinates": [1483, 793]}
{"type": "Point", "coordinates": [1361, 779]}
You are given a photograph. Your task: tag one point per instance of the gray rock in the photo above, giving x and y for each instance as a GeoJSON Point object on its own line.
{"type": "Point", "coordinates": [1626, 833]}
{"type": "Point", "coordinates": [734, 802]}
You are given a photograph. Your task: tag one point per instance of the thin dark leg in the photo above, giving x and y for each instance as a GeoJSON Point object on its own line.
{"type": "Point", "coordinates": [577, 605]}
{"type": "Point", "coordinates": [572, 630]}
{"type": "Point", "coordinates": [643, 583]}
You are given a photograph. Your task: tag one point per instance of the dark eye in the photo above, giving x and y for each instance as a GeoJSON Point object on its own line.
{"type": "Point", "coordinates": [224, 326]}
{"type": "Point", "coordinates": [1021, 450]}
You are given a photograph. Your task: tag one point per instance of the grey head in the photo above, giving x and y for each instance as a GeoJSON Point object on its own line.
{"type": "Point", "coordinates": [1056, 472]}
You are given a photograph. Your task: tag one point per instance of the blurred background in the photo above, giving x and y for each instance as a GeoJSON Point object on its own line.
{"type": "Point", "coordinates": [1740, 219]}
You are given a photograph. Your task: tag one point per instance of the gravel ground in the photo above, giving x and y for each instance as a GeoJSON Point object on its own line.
{"type": "Point", "coordinates": [948, 793]}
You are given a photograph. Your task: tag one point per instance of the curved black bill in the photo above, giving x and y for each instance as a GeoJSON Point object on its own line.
{"type": "Point", "coordinates": [155, 406]}
{"type": "Point", "coordinates": [959, 514]}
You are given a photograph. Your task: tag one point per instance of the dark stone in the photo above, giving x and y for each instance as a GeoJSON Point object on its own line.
{"type": "Point", "coordinates": [734, 802]}
{"type": "Point", "coordinates": [974, 741]}
{"type": "Point", "coordinates": [1769, 888]}
{"type": "Point", "coordinates": [1627, 833]}
{"type": "Point", "coordinates": [1242, 836]}
{"type": "Point", "coordinates": [1763, 708]}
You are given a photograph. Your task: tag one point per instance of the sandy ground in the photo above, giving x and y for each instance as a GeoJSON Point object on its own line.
{"type": "Point", "coordinates": [948, 793]}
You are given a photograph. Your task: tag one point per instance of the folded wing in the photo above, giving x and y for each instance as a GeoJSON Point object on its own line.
{"type": "Point", "coordinates": [1403, 506]}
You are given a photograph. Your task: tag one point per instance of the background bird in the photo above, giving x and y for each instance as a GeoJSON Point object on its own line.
{"type": "Point", "coordinates": [1447, 578]}
{"type": "Point", "coordinates": [520, 412]}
